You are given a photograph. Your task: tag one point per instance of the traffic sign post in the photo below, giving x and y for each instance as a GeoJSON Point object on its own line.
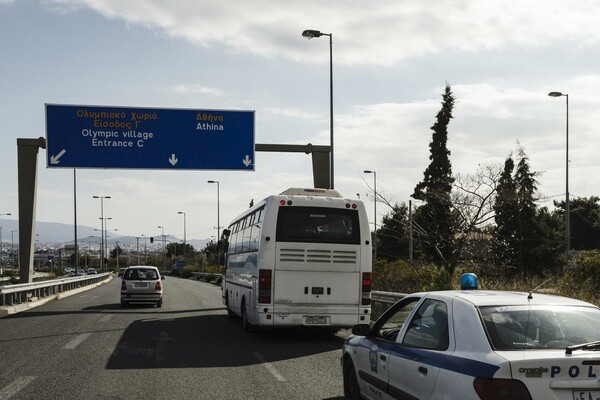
{"type": "Point", "coordinates": [148, 138]}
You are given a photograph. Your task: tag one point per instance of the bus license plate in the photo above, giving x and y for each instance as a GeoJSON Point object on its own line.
{"type": "Point", "coordinates": [586, 394]}
{"type": "Point", "coordinates": [316, 320]}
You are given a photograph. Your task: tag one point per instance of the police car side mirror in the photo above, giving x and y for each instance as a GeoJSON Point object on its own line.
{"type": "Point", "coordinates": [361, 329]}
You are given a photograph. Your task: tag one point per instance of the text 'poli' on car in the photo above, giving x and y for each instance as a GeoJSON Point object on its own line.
{"type": "Point", "coordinates": [142, 284]}
{"type": "Point", "coordinates": [474, 344]}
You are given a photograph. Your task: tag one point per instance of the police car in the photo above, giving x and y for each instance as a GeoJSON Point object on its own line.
{"type": "Point", "coordinates": [472, 344]}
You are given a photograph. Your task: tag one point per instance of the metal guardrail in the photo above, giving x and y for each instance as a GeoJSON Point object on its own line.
{"type": "Point", "coordinates": [381, 301]}
{"type": "Point", "coordinates": [209, 277]}
{"type": "Point", "coordinates": [25, 292]}
{"type": "Point", "coordinates": [386, 297]}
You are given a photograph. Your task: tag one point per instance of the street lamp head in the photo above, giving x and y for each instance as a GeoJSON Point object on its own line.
{"type": "Point", "coordinates": [555, 94]}
{"type": "Point", "coordinates": [311, 33]}
{"type": "Point", "coordinates": [180, 212]}
{"type": "Point", "coordinates": [213, 182]}
{"type": "Point", "coordinates": [368, 171]}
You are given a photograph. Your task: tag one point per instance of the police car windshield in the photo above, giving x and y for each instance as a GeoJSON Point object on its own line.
{"type": "Point", "coordinates": [540, 327]}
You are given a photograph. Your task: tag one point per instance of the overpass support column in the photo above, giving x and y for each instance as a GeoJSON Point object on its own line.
{"type": "Point", "coordinates": [27, 152]}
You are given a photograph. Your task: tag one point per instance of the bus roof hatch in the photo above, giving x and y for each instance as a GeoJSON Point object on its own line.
{"type": "Point", "coordinates": [311, 192]}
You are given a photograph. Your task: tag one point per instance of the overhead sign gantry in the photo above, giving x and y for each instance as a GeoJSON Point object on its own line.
{"type": "Point", "coordinates": [148, 138]}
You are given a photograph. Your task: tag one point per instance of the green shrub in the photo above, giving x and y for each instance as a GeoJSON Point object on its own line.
{"type": "Point", "coordinates": [580, 282]}
{"type": "Point", "coordinates": [583, 280]}
{"type": "Point", "coordinates": [402, 277]}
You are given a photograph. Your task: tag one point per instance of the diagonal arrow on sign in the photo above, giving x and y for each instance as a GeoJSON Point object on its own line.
{"type": "Point", "coordinates": [247, 161]}
{"type": "Point", "coordinates": [55, 159]}
{"type": "Point", "coordinates": [173, 160]}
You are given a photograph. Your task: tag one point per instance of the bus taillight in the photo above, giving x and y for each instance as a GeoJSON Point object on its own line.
{"type": "Point", "coordinates": [264, 286]}
{"type": "Point", "coordinates": [366, 288]}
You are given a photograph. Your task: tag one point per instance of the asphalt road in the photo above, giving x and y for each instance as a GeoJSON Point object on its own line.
{"type": "Point", "coordinates": [87, 347]}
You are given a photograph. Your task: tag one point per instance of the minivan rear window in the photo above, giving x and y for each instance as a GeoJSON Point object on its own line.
{"type": "Point", "coordinates": [141, 274]}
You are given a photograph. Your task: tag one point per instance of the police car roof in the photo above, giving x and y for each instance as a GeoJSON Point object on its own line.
{"type": "Point", "coordinates": [484, 298]}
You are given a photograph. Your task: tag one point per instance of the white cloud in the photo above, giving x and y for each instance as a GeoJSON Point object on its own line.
{"type": "Point", "coordinates": [293, 113]}
{"type": "Point", "coordinates": [183, 88]}
{"type": "Point", "coordinates": [380, 32]}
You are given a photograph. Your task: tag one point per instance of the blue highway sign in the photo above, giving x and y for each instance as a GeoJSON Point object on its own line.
{"type": "Point", "coordinates": [148, 138]}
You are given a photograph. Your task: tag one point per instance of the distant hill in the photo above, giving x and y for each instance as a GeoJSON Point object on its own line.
{"type": "Point", "coordinates": [57, 233]}
{"type": "Point", "coordinates": [47, 232]}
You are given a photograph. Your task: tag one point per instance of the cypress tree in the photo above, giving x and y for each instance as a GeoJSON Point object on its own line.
{"type": "Point", "coordinates": [506, 217]}
{"type": "Point", "coordinates": [435, 216]}
{"type": "Point", "coordinates": [528, 229]}
{"type": "Point", "coordinates": [392, 236]}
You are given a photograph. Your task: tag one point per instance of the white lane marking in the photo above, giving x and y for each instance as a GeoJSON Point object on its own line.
{"type": "Point", "coordinates": [269, 366]}
{"type": "Point", "coordinates": [106, 318]}
{"type": "Point", "coordinates": [77, 341]}
{"type": "Point", "coordinates": [15, 387]}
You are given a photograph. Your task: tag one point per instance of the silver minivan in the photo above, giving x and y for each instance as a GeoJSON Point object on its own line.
{"type": "Point", "coordinates": [142, 283]}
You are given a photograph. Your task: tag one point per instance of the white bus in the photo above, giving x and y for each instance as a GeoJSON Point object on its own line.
{"type": "Point", "coordinates": [301, 258]}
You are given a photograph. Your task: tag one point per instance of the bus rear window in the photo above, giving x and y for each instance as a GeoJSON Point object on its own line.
{"type": "Point", "coordinates": [318, 225]}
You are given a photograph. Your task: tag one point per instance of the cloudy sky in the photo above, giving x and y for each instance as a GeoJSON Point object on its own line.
{"type": "Point", "coordinates": [392, 59]}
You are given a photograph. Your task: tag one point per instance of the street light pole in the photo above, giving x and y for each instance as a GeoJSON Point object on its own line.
{"type": "Point", "coordinates": [1, 244]}
{"type": "Point", "coordinates": [145, 254]}
{"type": "Point", "coordinates": [567, 205]}
{"type": "Point", "coordinates": [309, 34]}
{"type": "Point", "coordinates": [162, 235]}
{"type": "Point", "coordinates": [218, 210]}
{"type": "Point", "coordinates": [374, 211]}
{"type": "Point", "coordinates": [184, 227]}
{"type": "Point", "coordinates": [101, 229]}
{"type": "Point", "coordinates": [106, 252]}
{"type": "Point", "coordinates": [12, 248]}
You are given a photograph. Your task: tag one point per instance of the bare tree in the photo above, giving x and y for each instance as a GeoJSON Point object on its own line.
{"type": "Point", "coordinates": [473, 201]}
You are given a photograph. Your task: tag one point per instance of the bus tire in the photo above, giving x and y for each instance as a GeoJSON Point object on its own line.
{"type": "Point", "coordinates": [246, 326]}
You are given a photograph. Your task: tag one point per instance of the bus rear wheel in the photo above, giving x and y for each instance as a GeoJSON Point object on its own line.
{"type": "Point", "coordinates": [246, 326]}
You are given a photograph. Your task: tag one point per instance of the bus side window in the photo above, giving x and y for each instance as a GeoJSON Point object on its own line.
{"type": "Point", "coordinates": [251, 230]}
{"type": "Point", "coordinates": [254, 237]}
{"type": "Point", "coordinates": [233, 242]}
{"type": "Point", "coordinates": [244, 236]}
